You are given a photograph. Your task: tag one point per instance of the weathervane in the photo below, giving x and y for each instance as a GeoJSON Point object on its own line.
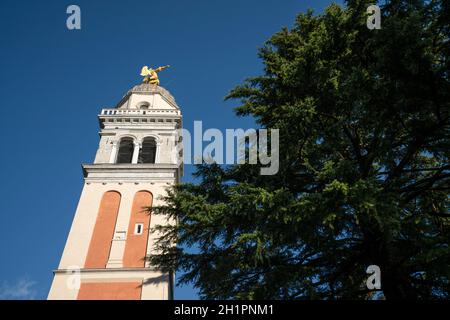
{"type": "Point", "coordinates": [151, 75]}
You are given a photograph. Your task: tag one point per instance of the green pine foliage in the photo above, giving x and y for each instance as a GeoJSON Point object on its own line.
{"type": "Point", "coordinates": [364, 167]}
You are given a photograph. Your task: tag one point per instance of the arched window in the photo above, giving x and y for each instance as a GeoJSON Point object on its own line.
{"type": "Point", "coordinates": [143, 105]}
{"type": "Point", "coordinates": [148, 151]}
{"type": "Point", "coordinates": [125, 153]}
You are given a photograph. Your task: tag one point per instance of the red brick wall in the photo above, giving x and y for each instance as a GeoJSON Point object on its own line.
{"type": "Point", "coordinates": [136, 245]}
{"type": "Point", "coordinates": [100, 245]}
{"type": "Point", "coordinates": [110, 291]}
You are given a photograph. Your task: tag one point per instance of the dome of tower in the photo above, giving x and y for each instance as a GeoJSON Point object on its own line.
{"type": "Point", "coordinates": [148, 89]}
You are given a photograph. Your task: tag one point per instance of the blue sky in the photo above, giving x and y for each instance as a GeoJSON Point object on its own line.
{"type": "Point", "coordinates": [55, 81]}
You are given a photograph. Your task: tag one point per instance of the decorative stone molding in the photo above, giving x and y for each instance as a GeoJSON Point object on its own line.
{"type": "Point", "coordinates": [124, 270]}
{"type": "Point", "coordinates": [126, 172]}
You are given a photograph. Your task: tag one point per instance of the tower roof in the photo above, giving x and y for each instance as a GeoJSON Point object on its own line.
{"type": "Point", "coordinates": [149, 89]}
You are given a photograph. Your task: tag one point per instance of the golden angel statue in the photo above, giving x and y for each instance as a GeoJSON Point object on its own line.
{"type": "Point", "coordinates": [151, 75]}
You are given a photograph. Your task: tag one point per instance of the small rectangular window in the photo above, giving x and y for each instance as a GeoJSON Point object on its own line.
{"type": "Point", "coordinates": [138, 228]}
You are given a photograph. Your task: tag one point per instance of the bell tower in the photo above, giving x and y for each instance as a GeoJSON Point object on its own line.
{"type": "Point", "coordinates": [137, 159]}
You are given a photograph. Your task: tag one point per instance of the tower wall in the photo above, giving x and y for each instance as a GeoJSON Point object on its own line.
{"type": "Point", "coordinates": [77, 246]}
{"type": "Point", "coordinates": [111, 232]}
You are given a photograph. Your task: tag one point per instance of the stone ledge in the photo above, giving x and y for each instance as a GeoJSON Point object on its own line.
{"type": "Point", "coordinates": [129, 167]}
{"type": "Point", "coordinates": [125, 172]}
{"type": "Point", "coordinates": [104, 270]}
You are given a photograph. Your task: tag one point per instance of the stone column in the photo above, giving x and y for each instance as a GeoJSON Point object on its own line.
{"type": "Point", "coordinates": [113, 155]}
{"type": "Point", "coordinates": [159, 144]}
{"type": "Point", "coordinates": [137, 147]}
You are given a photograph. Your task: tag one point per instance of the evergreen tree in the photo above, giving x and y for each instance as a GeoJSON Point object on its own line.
{"type": "Point", "coordinates": [364, 167]}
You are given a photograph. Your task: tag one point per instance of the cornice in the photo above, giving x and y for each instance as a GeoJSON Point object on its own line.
{"type": "Point", "coordinates": [106, 270]}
